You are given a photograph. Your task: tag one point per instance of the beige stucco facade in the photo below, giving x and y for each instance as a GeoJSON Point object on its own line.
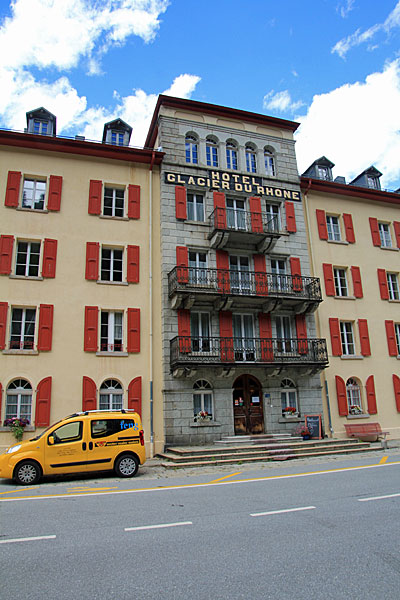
{"type": "Point", "coordinates": [69, 291]}
{"type": "Point", "coordinates": [373, 362]}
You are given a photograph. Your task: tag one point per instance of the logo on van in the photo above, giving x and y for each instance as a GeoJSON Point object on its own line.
{"type": "Point", "coordinates": [129, 425]}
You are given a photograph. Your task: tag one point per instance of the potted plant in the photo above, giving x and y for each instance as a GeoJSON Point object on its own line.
{"type": "Point", "coordinates": [289, 411]}
{"type": "Point", "coordinates": [303, 431]}
{"type": "Point", "coordinates": [202, 416]}
{"type": "Point", "coordinates": [17, 425]}
{"type": "Point", "coordinates": [354, 409]}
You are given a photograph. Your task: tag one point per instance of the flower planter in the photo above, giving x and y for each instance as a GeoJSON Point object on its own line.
{"type": "Point", "coordinates": [306, 437]}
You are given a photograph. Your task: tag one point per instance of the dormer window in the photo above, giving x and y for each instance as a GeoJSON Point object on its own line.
{"type": "Point", "coordinates": [323, 173]}
{"type": "Point", "coordinates": [320, 169]}
{"type": "Point", "coordinates": [373, 183]}
{"type": "Point", "coordinates": [41, 122]}
{"type": "Point", "coordinates": [117, 138]}
{"type": "Point", "coordinates": [40, 127]}
{"type": "Point", "coordinates": [117, 133]}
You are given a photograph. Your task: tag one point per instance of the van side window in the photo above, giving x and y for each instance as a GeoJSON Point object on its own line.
{"type": "Point", "coordinates": [105, 427]}
{"type": "Point", "coordinates": [70, 432]}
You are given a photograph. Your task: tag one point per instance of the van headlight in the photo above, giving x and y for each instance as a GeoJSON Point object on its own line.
{"type": "Point", "coordinates": [13, 449]}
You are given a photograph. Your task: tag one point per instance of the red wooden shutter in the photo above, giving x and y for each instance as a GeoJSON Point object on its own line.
{"type": "Point", "coordinates": [12, 190]}
{"type": "Point", "coordinates": [95, 193]}
{"type": "Point", "coordinates": [260, 274]}
{"type": "Point", "coordinates": [223, 274]}
{"type": "Point", "coordinates": [301, 331]}
{"type": "Point", "coordinates": [3, 324]}
{"type": "Point", "coordinates": [391, 338]}
{"type": "Point", "coordinates": [290, 217]}
{"type": "Point", "coordinates": [219, 210]}
{"type": "Point", "coordinates": [371, 397]}
{"type": "Point", "coordinates": [180, 202]}
{"type": "Point", "coordinates": [255, 214]}
{"type": "Point", "coordinates": [45, 327]}
{"type": "Point", "coordinates": [55, 188]}
{"type": "Point", "coordinates": [182, 263]}
{"type": "Point", "coordinates": [357, 285]}
{"type": "Point", "coordinates": [226, 335]}
{"type": "Point", "coordinates": [134, 201]}
{"type": "Point", "coordinates": [383, 285]}
{"type": "Point", "coordinates": [135, 395]}
{"type": "Point", "coordinates": [184, 330]}
{"type": "Point", "coordinates": [43, 401]}
{"type": "Point", "coordinates": [396, 386]}
{"type": "Point", "coordinates": [89, 394]}
{"type": "Point", "coordinates": [49, 258]}
{"type": "Point", "coordinates": [92, 260]}
{"type": "Point", "coordinates": [376, 238]}
{"type": "Point", "coordinates": [133, 264]}
{"type": "Point", "coordinates": [321, 222]}
{"type": "Point", "coordinates": [341, 396]}
{"type": "Point", "coordinates": [335, 337]}
{"type": "Point", "coordinates": [133, 338]}
{"type": "Point", "coordinates": [348, 226]}
{"type": "Point", "coordinates": [91, 328]}
{"type": "Point", "coordinates": [1, 397]}
{"type": "Point", "coordinates": [267, 349]}
{"type": "Point", "coordinates": [295, 270]}
{"type": "Point", "coordinates": [6, 248]}
{"type": "Point", "coordinates": [328, 278]}
{"type": "Point", "coordinates": [396, 226]}
{"type": "Point", "coordinates": [364, 337]}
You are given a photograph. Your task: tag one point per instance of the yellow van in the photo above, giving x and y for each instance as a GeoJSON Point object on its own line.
{"type": "Point", "coordinates": [98, 440]}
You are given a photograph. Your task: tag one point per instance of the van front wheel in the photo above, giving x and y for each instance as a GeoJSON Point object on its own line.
{"type": "Point", "coordinates": [126, 466]}
{"type": "Point", "coordinates": [27, 473]}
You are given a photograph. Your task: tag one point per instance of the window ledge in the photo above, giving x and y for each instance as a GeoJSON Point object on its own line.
{"type": "Point", "coordinates": [345, 298]}
{"type": "Point", "coordinates": [24, 352]}
{"type": "Point", "coordinates": [363, 416]}
{"type": "Point", "coordinates": [201, 223]}
{"type": "Point", "coordinates": [27, 277]}
{"type": "Point", "coordinates": [343, 242]}
{"type": "Point", "coordinates": [101, 282]}
{"type": "Point", "coordinates": [27, 428]}
{"type": "Point", "coordinates": [205, 424]}
{"type": "Point", "coordinates": [395, 301]}
{"type": "Point", "coordinates": [352, 357]}
{"type": "Point", "coordinates": [112, 354]}
{"type": "Point", "coordinates": [289, 419]}
{"type": "Point", "coordinates": [389, 248]}
{"type": "Point", "coordinates": [110, 217]}
{"type": "Point", "coordinates": [35, 210]}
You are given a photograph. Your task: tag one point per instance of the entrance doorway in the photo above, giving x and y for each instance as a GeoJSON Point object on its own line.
{"type": "Point", "coordinates": [247, 406]}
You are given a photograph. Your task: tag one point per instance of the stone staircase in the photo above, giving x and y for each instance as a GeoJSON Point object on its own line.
{"type": "Point", "coordinates": [259, 448]}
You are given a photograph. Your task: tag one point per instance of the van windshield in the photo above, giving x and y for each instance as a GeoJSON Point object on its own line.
{"type": "Point", "coordinates": [45, 431]}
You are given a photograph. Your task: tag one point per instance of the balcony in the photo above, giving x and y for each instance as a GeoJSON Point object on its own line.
{"type": "Point", "coordinates": [197, 352]}
{"type": "Point", "coordinates": [233, 227]}
{"type": "Point", "coordinates": [188, 286]}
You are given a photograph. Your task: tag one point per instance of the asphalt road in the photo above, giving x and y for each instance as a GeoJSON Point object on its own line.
{"type": "Point", "coordinates": [321, 530]}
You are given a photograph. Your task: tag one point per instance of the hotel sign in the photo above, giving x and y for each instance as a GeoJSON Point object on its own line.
{"type": "Point", "coordinates": [220, 180]}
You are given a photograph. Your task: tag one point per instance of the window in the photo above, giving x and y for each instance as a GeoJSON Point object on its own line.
{"type": "Point", "coordinates": [40, 127]}
{"type": "Point", "coordinates": [111, 264]}
{"type": "Point", "coordinates": [200, 331]}
{"type": "Point", "coordinates": [70, 432]}
{"type": "Point", "coordinates": [393, 286]}
{"type": "Point", "coordinates": [22, 328]}
{"type": "Point", "coordinates": [353, 394]}
{"type": "Point", "coordinates": [191, 151]}
{"type": "Point", "coordinates": [333, 227]}
{"type": "Point", "coordinates": [243, 337]}
{"type": "Point", "coordinates": [111, 395]}
{"type": "Point", "coordinates": [236, 214]}
{"type": "Point", "coordinates": [33, 194]}
{"type": "Point", "coordinates": [279, 279]}
{"type": "Point", "coordinates": [105, 427]}
{"type": "Point", "coordinates": [269, 161]}
{"type": "Point", "coordinates": [117, 138]}
{"type": "Point", "coordinates": [397, 333]}
{"type": "Point", "coordinates": [323, 173]}
{"type": "Point", "coordinates": [347, 338]}
{"type": "Point", "coordinates": [195, 207]}
{"type": "Point", "coordinates": [251, 165]}
{"type": "Point", "coordinates": [111, 331]}
{"type": "Point", "coordinates": [384, 233]}
{"type": "Point", "coordinates": [273, 217]}
{"type": "Point", "coordinates": [231, 156]}
{"type": "Point", "coordinates": [197, 267]}
{"type": "Point", "coordinates": [19, 400]}
{"type": "Point", "coordinates": [211, 152]}
{"type": "Point", "coordinates": [113, 202]}
{"type": "Point", "coordinates": [288, 395]}
{"type": "Point", "coordinates": [202, 401]}
{"type": "Point", "coordinates": [340, 280]}
{"type": "Point", "coordinates": [240, 274]}
{"type": "Point", "coordinates": [373, 182]}
{"type": "Point", "coordinates": [284, 343]}
{"type": "Point", "coordinates": [28, 257]}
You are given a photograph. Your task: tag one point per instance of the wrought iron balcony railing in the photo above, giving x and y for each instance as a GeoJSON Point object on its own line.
{"type": "Point", "coordinates": [231, 219]}
{"type": "Point", "coordinates": [208, 351]}
{"type": "Point", "coordinates": [243, 283]}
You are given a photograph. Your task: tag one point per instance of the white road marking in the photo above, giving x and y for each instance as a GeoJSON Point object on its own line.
{"type": "Point", "coordinates": [285, 510]}
{"type": "Point", "coordinates": [378, 497]}
{"type": "Point", "coordinates": [161, 526]}
{"type": "Point", "coordinates": [29, 539]}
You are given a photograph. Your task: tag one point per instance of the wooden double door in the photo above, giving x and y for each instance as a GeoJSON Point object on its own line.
{"type": "Point", "coordinates": [248, 406]}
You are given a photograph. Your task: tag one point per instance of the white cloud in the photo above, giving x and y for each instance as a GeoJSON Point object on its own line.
{"type": "Point", "coordinates": [280, 101]}
{"type": "Point", "coordinates": [360, 37]}
{"type": "Point", "coordinates": [345, 8]}
{"type": "Point", "coordinates": [355, 126]}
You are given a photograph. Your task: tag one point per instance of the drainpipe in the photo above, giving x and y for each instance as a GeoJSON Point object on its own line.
{"type": "Point", "coordinates": [151, 302]}
{"type": "Point", "coordinates": [310, 245]}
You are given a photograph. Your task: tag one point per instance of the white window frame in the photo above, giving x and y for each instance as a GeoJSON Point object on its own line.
{"type": "Point", "coordinates": [19, 388]}
{"type": "Point", "coordinates": [323, 173]}
{"type": "Point", "coordinates": [191, 149]}
{"type": "Point", "coordinates": [273, 214]}
{"type": "Point", "coordinates": [347, 338]}
{"type": "Point", "coordinates": [117, 138]}
{"type": "Point", "coordinates": [201, 390]}
{"type": "Point", "coordinates": [111, 395]}
{"type": "Point", "coordinates": [231, 156]}
{"type": "Point", "coordinates": [286, 344]}
{"type": "Point", "coordinates": [211, 153]}
{"type": "Point", "coordinates": [289, 397]}
{"type": "Point", "coordinates": [114, 343]}
{"type": "Point", "coordinates": [235, 214]}
{"type": "Point", "coordinates": [269, 162]}
{"type": "Point", "coordinates": [372, 182]}
{"type": "Point", "coordinates": [113, 271]}
{"type": "Point", "coordinates": [354, 398]}
{"type": "Point", "coordinates": [30, 253]}
{"type": "Point", "coordinates": [41, 127]}
{"type": "Point", "coordinates": [201, 342]}
{"type": "Point", "coordinates": [240, 273]}
{"type": "Point", "coordinates": [397, 336]}
{"type": "Point", "coordinates": [393, 285]}
{"type": "Point", "coordinates": [195, 207]}
{"type": "Point", "coordinates": [333, 228]}
{"type": "Point", "coordinates": [340, 280]}
{"type": "Point", "coordinates": [113, 194]}
{"type": "Point", "coordinates": [244, 345]}
{"type": "Point", "coordinates": [279, 272]}
{"type": "Point", "coordinates": [198, 267]}
{"type": "Point", "coordinates": [385, 235]}
{"type": "Point", "coordinates": [26, 340]}
{"type": "Point", "coordinates": [251, 159]}
{"type": "Point", "coordinates": [38, 196]}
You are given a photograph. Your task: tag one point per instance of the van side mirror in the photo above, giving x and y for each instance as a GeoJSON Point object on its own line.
{"type": "Point", "coordinates": [50, 440]}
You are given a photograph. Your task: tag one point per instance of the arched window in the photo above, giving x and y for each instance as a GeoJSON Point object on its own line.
{"type": "Point", "coordinates": [269, 160]}
{"type": "Point", "coordinates": [191, 149]}
{"type": "Point", "coordinates": [251, 164]}
{"type": "Point", "coordinates": [19, 400]}
{"type": "Point", "coordinates": [353, 393]}
{"type": "Point", "coordinates": [202, 401]}
{"type": "Point", "coordinates": [111, 395]}
{"type": "Point", "coordinates": [289, 401]}
{"type": "Point", "coordinates": [211, 152]}
{"type": "Point", "coordinates": [231, 155]}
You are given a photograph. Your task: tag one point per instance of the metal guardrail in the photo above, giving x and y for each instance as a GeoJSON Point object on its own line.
{"type": "Point", "coordinates": [231, 219]}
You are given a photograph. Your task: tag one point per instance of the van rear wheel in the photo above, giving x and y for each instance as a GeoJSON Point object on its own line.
{"type": "Point", "coordinates": [27, 473]}
{"type": "Point", "coordinates": [126, 466]}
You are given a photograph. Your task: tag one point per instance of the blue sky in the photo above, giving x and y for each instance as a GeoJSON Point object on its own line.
{"type": "Point", "coordinates": [332, 65]}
